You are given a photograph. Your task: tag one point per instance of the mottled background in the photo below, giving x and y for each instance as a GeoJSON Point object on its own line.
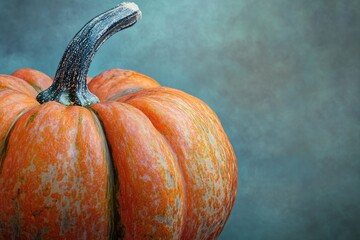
{"type": "Point", "coordinates": [283, 76]}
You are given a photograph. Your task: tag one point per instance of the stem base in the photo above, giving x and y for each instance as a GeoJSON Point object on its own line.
{"type": "Point", "coordinates": [80, 98]}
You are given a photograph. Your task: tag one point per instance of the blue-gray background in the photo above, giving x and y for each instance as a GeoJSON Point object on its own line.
{"type": "Point", "coordinates": [283, 76]}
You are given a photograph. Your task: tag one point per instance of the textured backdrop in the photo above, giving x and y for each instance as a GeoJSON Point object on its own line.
{"type": "Point", "coordinates": [283, 76]}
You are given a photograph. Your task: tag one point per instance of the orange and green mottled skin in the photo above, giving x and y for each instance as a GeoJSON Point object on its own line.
{"type": "Point", "coordinates": [113, 83]}
{"type": "Point", "coordinates": [147, 162]}
{"type": "Point", "coordinates": [151, 192]}
{"type": "Point", "coordinates": [205, 156]}
{"type": "Point", "coordinates": [38, 80]}
{"type": "Point", "coordinates": [54, 176]}
{"type": "Point", "coordinates": [16, 84]}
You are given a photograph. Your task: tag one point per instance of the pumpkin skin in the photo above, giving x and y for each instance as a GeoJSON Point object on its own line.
{"type": "Point", "coordinates": [146, 162]}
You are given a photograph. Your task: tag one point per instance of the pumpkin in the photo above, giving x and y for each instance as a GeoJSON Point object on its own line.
{"type": "Point", "coordinates": [119, 157]}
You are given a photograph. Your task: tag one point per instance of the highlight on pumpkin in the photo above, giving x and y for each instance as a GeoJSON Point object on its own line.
{"type": "Point", "coordinates": [129, 160]}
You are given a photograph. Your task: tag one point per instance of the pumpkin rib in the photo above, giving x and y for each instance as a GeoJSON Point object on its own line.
{"type": "Point", "coordinates": [151, 191]}
{"type": "Point", "coordinates": [176, 162]}
{"type": "Point", "coordinates": [68, 197]}
{"type": "Point", "coordinates": [16, 84]}
{"type": "Point", "coordinates": [114, 83]}
{"type": "Point", "coordinates": [4, 143]}
{"type": "Point", "coordinates": [12, 116]}
{"type": "Point", "coordinates": [38, 80]}
{"type": "Point", "coordinates": [16, 95]}
{"type": "Point", "coordinates": [116, 230]}
{"type": "Point", "coordinates": [160, 105]}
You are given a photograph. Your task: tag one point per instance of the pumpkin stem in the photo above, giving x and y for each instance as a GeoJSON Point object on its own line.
{"type": "Point", "coordinates": [69, 86]}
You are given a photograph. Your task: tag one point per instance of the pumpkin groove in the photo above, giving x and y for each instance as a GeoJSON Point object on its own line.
{"type": "Point", "coordinates": [16, 84]}
{"type": "Point", "coordinates": [116, 228]}
{"type": "Point", "coordinates": [167, 108]}
{"type": "Point", "coordinates": [70, 185]}
{"type": "Point", "coordinates": [145, 193]}
{"type": "Point", "coordinates": [114, 83]}
{"type": "Point", "coordinates": [130, 160]}
{"type": "Point", "coordinates": [38, 80]}
{"type": "Point", "coordinates": [13, 105]}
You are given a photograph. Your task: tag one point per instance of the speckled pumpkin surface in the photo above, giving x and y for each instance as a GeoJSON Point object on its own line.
{"type": "Point", "coordinates": [146, 162]}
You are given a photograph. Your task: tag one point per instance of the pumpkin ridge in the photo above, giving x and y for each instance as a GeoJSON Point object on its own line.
{"type": "Point", "coordinates": [163, 103]}
{"type": "Point", "coordinates": [115, 83]}
{"type": "Point", "coordinates": [25, 87]}
{"type": "Point", "coordinates": [38, 80]}
{"type": "Point", "coordinates": [16, 92]}
{"type": "Point", "coordinates": [59, 174]}
{"type": "Point", "coordinates": [4, 145]}
{"type": "Point", "coordinates": [115, 229]}
{"type": "Point", "coordinates": [176, 161]}
{"type": "Point", "coordinates": [143, 158]}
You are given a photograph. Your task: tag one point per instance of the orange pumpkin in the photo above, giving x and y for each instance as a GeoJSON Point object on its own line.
{"type": "Point", "coordinates": [133, 160]}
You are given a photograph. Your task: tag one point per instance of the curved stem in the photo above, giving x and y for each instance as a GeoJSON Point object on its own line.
{"type": "Point", "coordinates": [69, 87]}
